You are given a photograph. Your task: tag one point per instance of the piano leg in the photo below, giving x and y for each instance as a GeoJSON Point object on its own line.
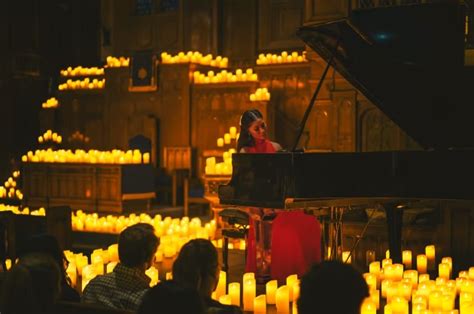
{"type": "Point", "coordinates": [394, 223]}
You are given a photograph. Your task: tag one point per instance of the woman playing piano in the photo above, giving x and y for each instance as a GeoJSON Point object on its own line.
{"type": "Point", "coordinates": [291, 242]}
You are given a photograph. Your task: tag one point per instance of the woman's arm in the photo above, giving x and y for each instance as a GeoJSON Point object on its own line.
{"type": "Point", "coordinates": [277, 146]}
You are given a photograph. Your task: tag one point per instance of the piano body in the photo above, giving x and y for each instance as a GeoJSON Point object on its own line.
{"type": "Point", "coordinates": [409, 61]}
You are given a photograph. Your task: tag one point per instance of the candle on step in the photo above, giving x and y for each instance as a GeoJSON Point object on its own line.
{"type": "Point", "coordinates": [271, 288]}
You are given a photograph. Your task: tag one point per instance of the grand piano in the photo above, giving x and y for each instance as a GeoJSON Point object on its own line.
{"type": "Point", "coordinates": [409, 62]}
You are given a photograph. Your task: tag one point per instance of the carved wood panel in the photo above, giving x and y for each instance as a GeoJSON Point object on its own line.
{"type": "Point", "coordinates": [278, 21]}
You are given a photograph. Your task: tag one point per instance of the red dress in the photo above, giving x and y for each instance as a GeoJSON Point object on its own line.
{"type": "Point", "coordinates": [295, 238]}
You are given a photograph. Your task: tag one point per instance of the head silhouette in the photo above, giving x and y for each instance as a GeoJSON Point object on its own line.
{"type": "Point", "coordinates": [137, 245]}
{"type": "Point", "coordinates": [332, 287]}
{"type": "Point", "coordinates": [248, 117]}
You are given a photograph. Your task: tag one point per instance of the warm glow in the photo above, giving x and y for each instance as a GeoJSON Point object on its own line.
{"type": "Point", "coordinates": [284, 57]}
{"type": "Point", "coordinates": [195, 57]}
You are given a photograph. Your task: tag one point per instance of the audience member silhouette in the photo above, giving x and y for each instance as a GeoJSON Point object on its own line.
{"type": "Point", "coordinates": [169, 297]}
{"type": "Point", "coordinates": [124, 288]}
{"type": "Point", "coordinates": [197, 267]}
{"type": "Point", "coordinates": [48, 244]}
{"type": "Point", "coordinates": [33, 285]}
{"type": "Point", "coordinates": [332, 287]}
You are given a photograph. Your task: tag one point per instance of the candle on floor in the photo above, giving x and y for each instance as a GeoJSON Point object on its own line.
{"type": "Point", "coordinates": [249, 294]}
{"type": "Point", "coordinates": [430, 253]}
{"type": "Point", "coordinates": [444, 271]}
{"type": "Point", "coordinates": [220, 142]}
{"type": "Point", "coordinates": [283, 299]}
{"type": "Point", "coordinates": [260, 305]}
{"type": "Point", "coordinates": [407, 259]}
{"type": "Point", "coordinates": [221, 284]}
{"type": "Point", "coordinates": [225, 299]}
{"type": "Point", "coordinates": [421, 263]}
{"type": "Point", "coordinates": [290, 280]}
{"type": "Point", "coordinates": [234, 292]}
{"type": "Point", "coordinates": [374, 268]}
{"type": "Point", "coordinates": [271, 288]}
{"type": "Point", "coordinates": [233, 132]}
{"type": "Point", "coordinates": [368, 307]}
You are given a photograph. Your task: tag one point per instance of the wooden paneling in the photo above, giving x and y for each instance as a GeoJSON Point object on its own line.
{"type": "Point", "coordinates": [278, 22]}
{"type": "Point", "coordinates": [324, 10]}
{"type": "Point", "coordinates": [238, 32]}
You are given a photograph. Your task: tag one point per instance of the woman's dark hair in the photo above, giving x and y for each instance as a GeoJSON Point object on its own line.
{"type": "Point", "coordinates": [196, 261]}
{"type": "Point", "coordinates": [31, 286]}
{"type": "Point", "coordinates": [332, 287]}
{"type": "Point", "coordinates": [245, 139]}
{"type": "Point", "coordinates": [168, 297]}
{"type": "Point", "coordinates": [137, 244]}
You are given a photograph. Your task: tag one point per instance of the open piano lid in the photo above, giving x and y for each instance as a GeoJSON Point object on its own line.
{"type": "Point", "coordinates": [409, 61]}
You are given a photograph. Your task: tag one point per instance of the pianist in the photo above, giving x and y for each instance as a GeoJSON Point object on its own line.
{"type": "Point", "coordinates": [291, 242]}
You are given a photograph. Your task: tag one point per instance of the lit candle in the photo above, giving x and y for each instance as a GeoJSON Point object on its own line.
{"type": "Point", "coordinates": [371, 280]}
{"type": "Point", "coordinates": [227, 138]}
{"type": "Point", "coordinates": [72, 273]}
{"type": "Point", "coordinates": [375, 296]}
{"type": "Point", "coordinates": [430, 255]}
{"type": "Point", "coordinates": [399, 305]}
{"type": "Point", "coordinates": [374, 268]}
{"type": "Point", "coordinates": [290, 280]}
{"type": "Point", "coordinates": [233, 132]}
{"type": "Point", "coordinates": [249, 294]}
{"type": "Point", "coordinates": [386, 262]}
{"type": "Point", "coordinates": [368, 307]}
{"type": "Point", "coordinates": [146, 158]}
{"type": "Point", "coordinates": [447, 302]}
{"type": "Point", "coordinates": [418, 308]}
{"type": "Point", "coordinates": [407, 259]}
{"type": "Point", "coordinates": [444, 271]}
{"type": "Point", "coordinates": [346, 257]}
{"type": "Point", "coordinates": [260, 305]}
{"type": "Point", "coordinates": [412, 275]}
{"type": "Point", "coordinates": [448, 260]}
{"type": "Point", "coordinates": [283, 299]}
{"type": "Point", "coordinates": [434, 300]}
{"type": "Point", "coordinates": [421, 263]}
{"type": "Point", "coordinates": [234, 292]}
{"type": "Point", "coordinates": [271, 288]}
{"type": "Point", "coordinates": [369, 257]}
{"type": "Point", "coordinates": [220, 142]}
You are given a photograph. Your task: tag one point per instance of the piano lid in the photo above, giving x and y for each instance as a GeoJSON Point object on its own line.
{"type": "Point", "coordinates": [409, 61]}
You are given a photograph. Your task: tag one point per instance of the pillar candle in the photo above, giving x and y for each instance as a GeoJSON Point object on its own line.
{"type": "Point", "coordinates": [444, 271]}
{"type": "Point", "coordinates": [386, 262]}
{"type": "Point", "coordinates": [421, 263]}
{"type": "Point", "coordinates": [375, 296]}
{"type": "Point", "coordinates": [374, 268]}
{"type": "Point", "coordinates": [146, 158]}
{"type": "Point", "coordinates": [369, 257]}
{"type": "Point", "coordinates": [448, 260]}
{"type": "Point", "coordinates": [346, 257]}
{"type": "Point", "coordinates": [233, 132]}
{"type": "Point", "coordinates": [227, 138]}
{"type": "Point", "coordinates": [430, 255]}
{"type": "Point", "coordinates": [399, 305]}
{"type": "Point", "coordinates": [413, 276]}
{"type": "Point", "coordinates": [407, 259]}
{"type": "Point", "coordinates": [220, 142]}
{"type": "Point", "coordinates": [368, 307]}
{"type": "Point", "coordinates": [260, 305]}
{"type": "Point", "coordinates": [271, 288]}
{"type": "Point", "coordinates": [290, 280]}
{"type": "Point", "coordinates": [283, 299]}
{"type": "Point", "coordinates": [225, 299]}
{"type": "Point", "coordinates": [234, 292]}
{"type": "Point", "coordinates": [434, 300]}
{"type": "Point", "coordinates": [249, 294]}
{"type": "Point", "coordinates": [423, 278]}
{"type": "Point", "coordinates": [247, 276]}
{"type": "Point", "coordinates": [371, 280]}
{"type": "Point", "coordinates": [418, 308]}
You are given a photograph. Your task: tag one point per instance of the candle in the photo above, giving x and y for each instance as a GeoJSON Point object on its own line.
{"type": "Point", "coordinates": [423, 278]}
{"type": "Point", "coordinates": [430, 255]}
{"type": "Point", "coordinates": [421, 263]}
{"type": "Point", "coordinates": [346, 257]}
{"type": "Point", "coordinates": [290, 280]}
{"type": "Point", "coordinates": [386, 262]}
{"type": "Point", "coordinates": [221, 284]}
{"type": "Point", "coordinates": [220, 142]}
{"type": "Point", "coordinates": [260, 304]}
{"type": "Point", "coordinates": [371, 280]}
{"type": "Point", "coordinates": [249, 294]}
{"type": "Point", "coordinates": [146, 158]}
{"type": "Point", "coordinates": [72, 273]}
{"type": "Point", "coordinates": [448, 260]}
{"type": "Point", "coordinates": [412, 275]}
{"type": "Point", "coordinates": [407, 259]}
{"type": "Point", "coordinates": [225, 299]}
{"type": "Point", "coordinates": [271, 288]}
{"type": "Point", "coordinates": [444, 271]}
{"type": "Point", "coordinates": [234, 292]}
{"type": "Point", "coordinates": [434, 300]}
{"type": "Point", "coordinates": [283, 299]}
{"type": "Point", "coordinates": [399, 305]}
{"type": "Point", "coordinates": [418, 308]}
{"type": "Point", "coordinates": [447, 302]}
{"type": "Point", "coordinates": [375, 296]}
{"type": "Point", "coordinates": [233, 132]}
{"type": "Point", "coordinates": [227, 138]}
{"type": "Point", "coordinates": [374, 268]}
{"type": "Point", "coordinates": [152, 272]}
{"type": "Point", "coordinates": [368, 307]}
{"type": "Point", "coordinates": [369, 257]}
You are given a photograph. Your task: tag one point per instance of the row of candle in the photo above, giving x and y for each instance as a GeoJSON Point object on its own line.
{"type": "Point", "coordinates": [114, 62]}
{"type": "Point", "coordinates": [401, 286]}
{"type": "Point", "coordinates": [78, 136]}
{"type": "Point", "coordinates": [50, 136]}
{"type": "Point", "coordinates": [228, 137]}
{"type": "Point", "coordinates": [284, 57]}
{"type": "Point", "coordinates": [10, 187]}
{"type": "Point", "coordinates": [282, 296]}
{"type": "Point", "coordinates": [82, 84]}
{"type": "Point", "coordinates": [23, 211]}
{"type": "Point", "coordinates": [50, 103]}
{"type": "Point", "coordinates": [92, 156]}
{"type": "Point", "coordinates": [261, 94]}
{"type": "Point", "coordinates": [222, 168]}
{"type": "Point", "coordinates": [225, 77]}
{"type": "Point", "coordinates": [82, 71]}
{"type": "Point", "coordinates": [195, 57]}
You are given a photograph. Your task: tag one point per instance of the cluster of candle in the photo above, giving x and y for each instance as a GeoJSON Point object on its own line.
{"type": "Point", "coordinates": [284, 57]}
{"type": "Point", "coordinates": [284, 297]}
{"type": "Point", "coordinates": [92, 156]}
{"type": "Point", "coordinates": [50, 103]}
{"type": "Point", "coordinates": [23, 211]}
{"type": "Point", "coordinates": [78, 136]}
{"type": "Point", "coordinates": [400, 285]}
{"type": "Point", "coordinates": [195, 57]}
{"type": "Point", "coordinates": [220, 168]}
{"type": "Point", "coordinates": [114, 62]}
{"type": "Point", "coordinates": [225, 77]}
{"type": "Point", "coordinates": [228, 137]}
{"type": "Point", "coordinates": [10, 187]}
{"type": "Point", "coordinates": [82, 71]}
{"type": "Point", "coordinates": [50, 136]}
{"type": "Point", "coordinates": [260, 94]}
{"type": "Point", "coordinates": [86, 83]}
